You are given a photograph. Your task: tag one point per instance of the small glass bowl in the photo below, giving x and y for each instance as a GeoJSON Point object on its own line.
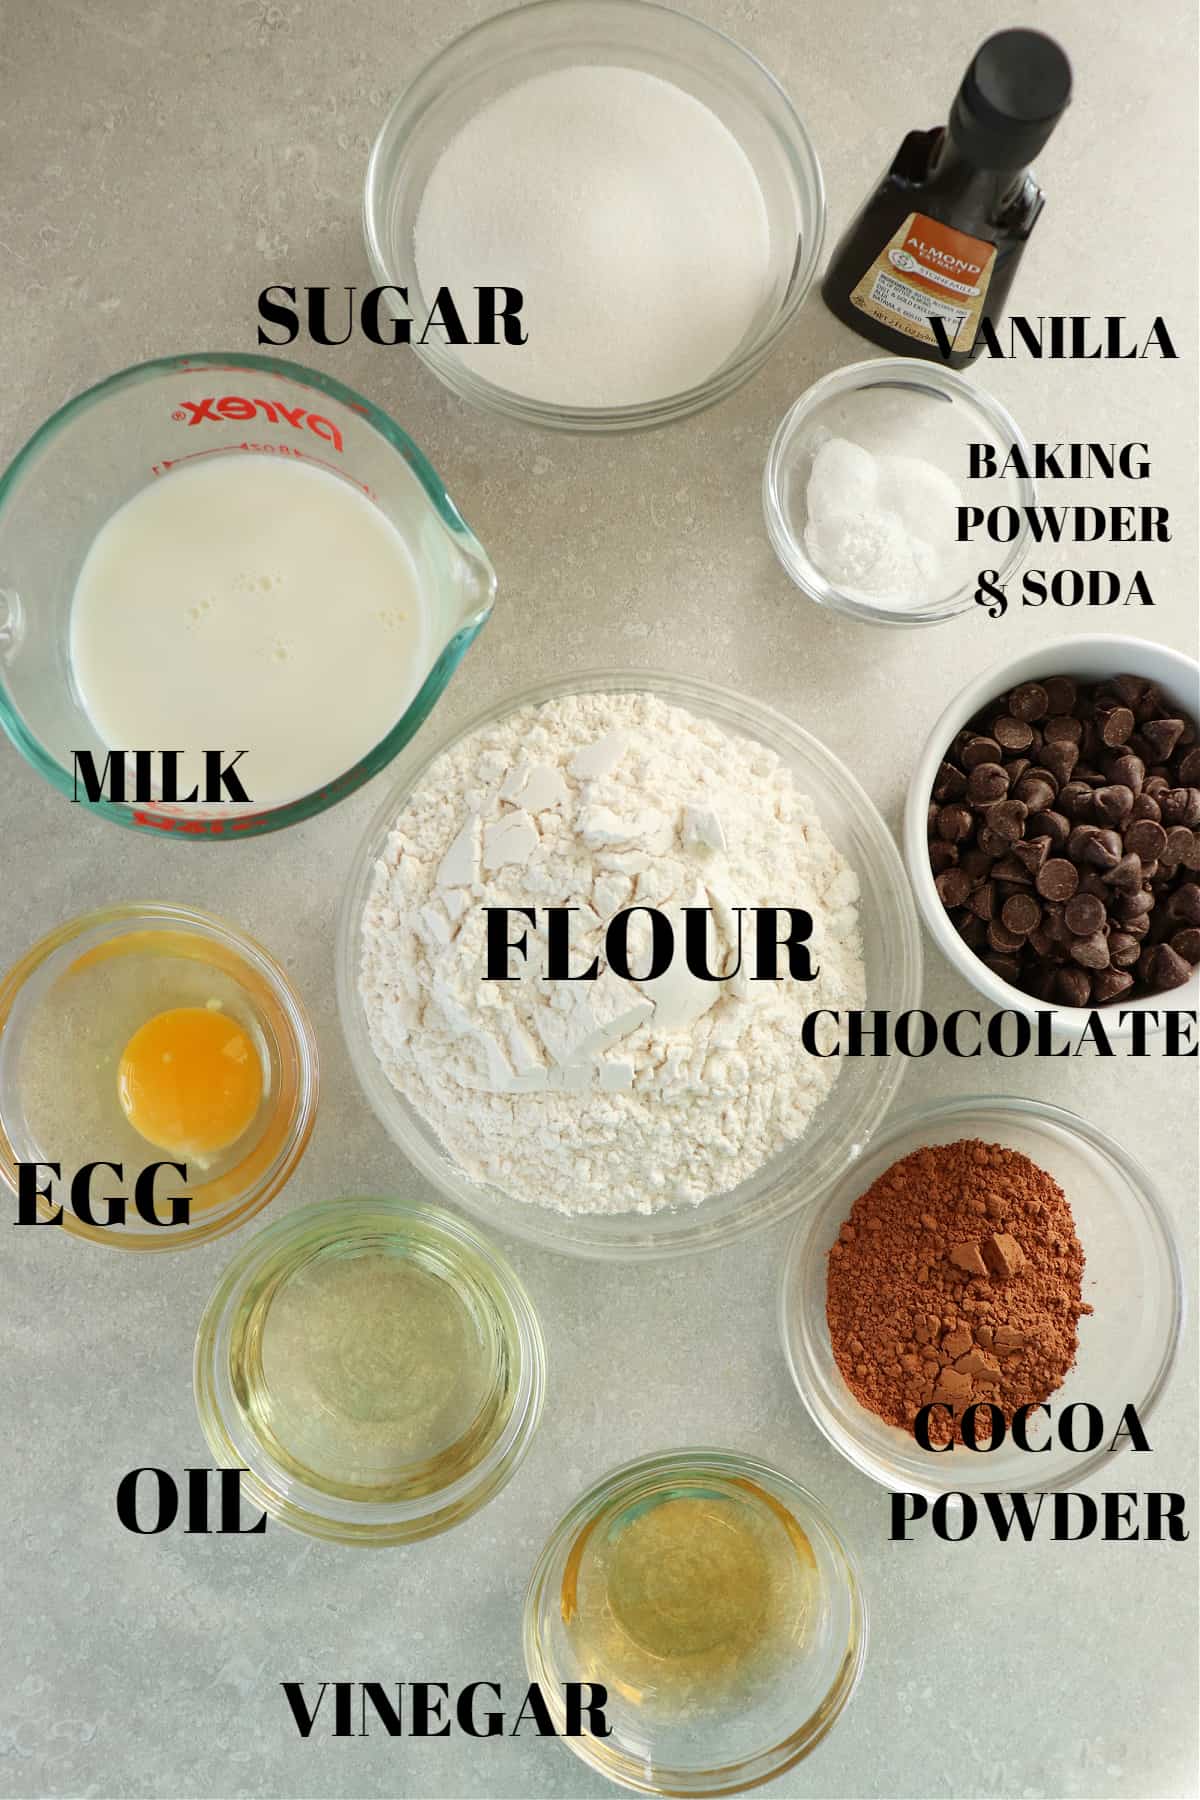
{"type": "Point", "coordinates": [190, 954]}
{"type": "Point", "coordinates": [530, 40]}
{"type": "Point", "coordinates": [920, 410]}
{"type": "Point", "coordinates": [375, 1365]}
{"type": "Point", "coordinates": [851, 1111]}
{"type": "Point", "coordinates": [1132, 1277]}
{"type": "Point", "coordinates": [723, 1732]}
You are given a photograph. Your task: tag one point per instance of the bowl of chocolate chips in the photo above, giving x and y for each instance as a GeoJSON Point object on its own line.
{"type": "Point", "coordinates": [1052, 832]}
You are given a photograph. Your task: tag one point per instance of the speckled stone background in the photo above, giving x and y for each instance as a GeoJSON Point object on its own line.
{"type": "Point", "coordinates": [159, 164]}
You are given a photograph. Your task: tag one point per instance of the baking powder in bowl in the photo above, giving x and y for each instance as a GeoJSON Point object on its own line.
{"type": "Point", "coordinates": [629, 217]}
{"type": "Point", "coordinates": [609, 1095]}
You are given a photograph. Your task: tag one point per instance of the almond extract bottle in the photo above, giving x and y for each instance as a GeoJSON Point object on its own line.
{"type": "Point", "coordinates": [943, 232]}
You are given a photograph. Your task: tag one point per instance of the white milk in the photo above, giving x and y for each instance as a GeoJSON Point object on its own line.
{"type": "Point", "coordinates": [248, 602]}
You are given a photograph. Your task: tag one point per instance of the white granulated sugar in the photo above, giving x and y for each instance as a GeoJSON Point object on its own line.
{"type": "Point", "coordinates": [612, 1095]}
{"type": "Point", "coordinates": [628, 215]}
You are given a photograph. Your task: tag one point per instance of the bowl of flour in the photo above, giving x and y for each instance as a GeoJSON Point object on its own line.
{"type": "Point", "coordinates": [642, 182]}
{"type": "Point", "coordinates": [618, 1117]}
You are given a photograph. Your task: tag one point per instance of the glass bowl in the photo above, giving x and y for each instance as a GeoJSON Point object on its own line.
{"type": "Point", "coordinates": [530, 40]}
{"type": "Point", "coordinates": [704, 1696]}
{"type": "Point", "coordinates": [68, 1008]}
{"type": "Point", "coordinates": [376, 1368]}
{"type": "Point", "coordinates": [920, 410]}
{"type": "Point", "coordinates": [1132, 1277]}
{"type": "Point", "coordinates": [848, 1116]}
{"type": "Point", "coordinates": [105, 446]}
{"type": "Point", "coordinates": [1090, 658]}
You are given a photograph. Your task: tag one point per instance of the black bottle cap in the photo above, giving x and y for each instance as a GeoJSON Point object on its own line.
{"type": "Point", "coordinates": [1011, 98]}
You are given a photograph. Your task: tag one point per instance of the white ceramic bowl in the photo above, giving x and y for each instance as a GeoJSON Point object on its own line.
{"type": "Point", "coordinates": [848, 1117]}
{"type": "Point", "coordinates": [1090, 659]}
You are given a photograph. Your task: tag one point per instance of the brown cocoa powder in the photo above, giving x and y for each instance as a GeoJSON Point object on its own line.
{"type": "Point", "coordinates": [956, 1278]}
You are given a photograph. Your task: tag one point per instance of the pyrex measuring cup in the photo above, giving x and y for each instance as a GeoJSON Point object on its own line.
{"type": "Point", "coordinates": [105, 445]}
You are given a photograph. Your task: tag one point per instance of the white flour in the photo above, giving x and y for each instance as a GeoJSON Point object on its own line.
{"type": "Point", "coordinates": [605, 1096]}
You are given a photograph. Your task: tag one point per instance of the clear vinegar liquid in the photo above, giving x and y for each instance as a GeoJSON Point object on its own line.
{"type": "Point", "coordinates": [691, 1600]}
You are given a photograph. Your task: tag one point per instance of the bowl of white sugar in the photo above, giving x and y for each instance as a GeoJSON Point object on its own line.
{"type": "Point", "coordinates": [880, 485]}
{"type": "Point", "coordinates": [597, 957]}
{"type": "Point", "coordinates": [641, 183]}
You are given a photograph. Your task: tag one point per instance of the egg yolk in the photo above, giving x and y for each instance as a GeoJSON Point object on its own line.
{"type": "Point", "coordinates": [190, 1081]}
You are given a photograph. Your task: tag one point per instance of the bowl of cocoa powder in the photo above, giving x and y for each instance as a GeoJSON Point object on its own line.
{"type": "Point", "coordinates": [1052, 833]}
{"type": "Point", "coordinates": [992, 1254]}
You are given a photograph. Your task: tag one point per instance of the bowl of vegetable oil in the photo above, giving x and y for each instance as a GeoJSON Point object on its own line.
{"type": "Point", "coordinates": [375, 1367]}
{"type": "Point", "coordinates": [715, 1601]}
{"type": "Point", "coordinates": [168, 1051]}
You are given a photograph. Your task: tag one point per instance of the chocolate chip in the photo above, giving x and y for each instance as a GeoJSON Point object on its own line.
{"type": "Point", "coordinates": [949, 783]}
{"type": "Point", "coordinates": [1181, 806]}
{"type": "Point", "coordinates": [987, 782]}
{"type": "Point", "coordinates": [954, 823]}
{"type": "Point", "coordinates": [1090, 952]}
{"type": "Point", "coordinates": [1073, 987]}
{"type": "Point", "coordinates": [992, 844]}
{"type": "Point", "coordinates": [1145, 839]}
{"type": "Point", "coordinates": [1130, 688]}
{"type": "Point", "coordinates": [1007, 819]}
{"type": "Point", "coordinates": [983, 900]}
{"type": "Point", "coordinates": [1062, 731]}
{"type": "Point", "coordinates": [1134, 906]}
{"type": "Point", "coordinates": [1113, 803]}
{"type": "Point", "coordinates": [1020, 914]}
{"type": "Point", "coordinates": [1124, 949]}
{"type": "Point", "coordinates": [1061, 693]}
{"type": "Point", "coordinates": [1001, 938]}
{"type": "Point", "coordinates": [1084, 915]}
{"type": "Point", "coordinates": [971, 930]}
{"type": "Point", "coordinates": [1184, 904]}
{"type": "Point", "coordinates": [1055, 827]}
{"type": "Point", "coordinates": [1179, 842]}
{"type": "Point", "coordinates": [1060, 760]}
{"type": "Point", "coordinates": [979, 750]}
{"type": "Point", "coordinates": [942, 856]}
{"type": "Point", "coordinates": [1117, 725]}
{"type": "Point", "coordinates": [1127, 771]}
{"type": "Point", "coordinates": [1127, 874]}
{"type": "Point", "coordinates": [1031, 853]}
{"type": "Point", "coordinates": [1012, 734]}
{"type": "Point", "coordinates": [1162, 735]}
{"type": "Point", "coordinates": [1169, 970]}
{"type": "Point", "coordinates": [953, 887]}
{"type": "Point", "coordinates": [1035, 791]}
{"type": "Point", "coordinates": [1075, 799]}
{"type": "Point", "coordinates": [1029, 702]}
{"type": "Point", "coordinates": [1189, 768]}
{"type": "Point", "coordinates": [1103, 849]}
{"type": "Point", "coordinates": [1057, 879]}
{"type": "Point", "coordinates": [1109, 984]}
{"type": "Point", "coordinates": [1006, 967]}
{"type": "Point", "coordinates": [1186, 943]}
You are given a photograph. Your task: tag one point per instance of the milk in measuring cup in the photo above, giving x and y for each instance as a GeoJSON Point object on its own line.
{"type": "Point", "coordinates": [250, 602]}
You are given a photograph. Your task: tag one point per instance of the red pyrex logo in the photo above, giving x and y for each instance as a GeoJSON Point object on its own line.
{"type": "Point", "coordinates": [234, 407]}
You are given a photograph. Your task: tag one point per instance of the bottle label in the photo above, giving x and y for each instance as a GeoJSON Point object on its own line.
{"type": "Point", "coordinates": [928, 269]}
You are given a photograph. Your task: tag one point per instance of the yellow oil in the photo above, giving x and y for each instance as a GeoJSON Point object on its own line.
{"type": "Point", "coordinates": [369, 1372]}
{"type": "Point", "coordinates": [691, 1597]}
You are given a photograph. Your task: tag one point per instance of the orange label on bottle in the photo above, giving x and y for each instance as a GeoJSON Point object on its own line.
{"type": "Point", "coordinates": [927, 269]}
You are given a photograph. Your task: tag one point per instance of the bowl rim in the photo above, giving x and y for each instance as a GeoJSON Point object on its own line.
{"type": "Point", "coordinates": [721, 1464]}
{"type": "Point", "coordinates": [992, 682]}
{"type": "Point", "coordinates": [524, 1221]}
{"type": "Point", "coordinates": [414, 97]}
{"type": "Point", "coordinates": [303, 1041]}
{"type": "Point", "coordinates": [875, 372]}
{"type": "Point", "coordinates": [230, 828]}
{"type": "Point", "coordinates": [288, 1498]}
{"type": "Point", "coordinates": [802, 1248]}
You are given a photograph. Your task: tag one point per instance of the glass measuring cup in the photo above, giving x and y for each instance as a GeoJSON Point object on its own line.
{"type": "Point", "coordinates": [107, 444]}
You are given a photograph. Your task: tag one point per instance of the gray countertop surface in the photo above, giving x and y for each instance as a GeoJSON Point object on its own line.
{"type": "Point", "coordinates": [159, 165]}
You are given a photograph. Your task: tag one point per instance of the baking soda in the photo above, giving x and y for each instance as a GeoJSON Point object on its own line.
{"type": "Point", "coordinates": [883, 526]}
{"type": "Point", "coordinates": [628, 215]}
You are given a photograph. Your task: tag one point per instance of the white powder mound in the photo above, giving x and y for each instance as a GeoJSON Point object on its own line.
{"type": "Point", "coordinates": [628, 215]}
{"type": "Point", "coordinates": [883, 526]}
{"type": "Point", "coordinates": [612, 1095]}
